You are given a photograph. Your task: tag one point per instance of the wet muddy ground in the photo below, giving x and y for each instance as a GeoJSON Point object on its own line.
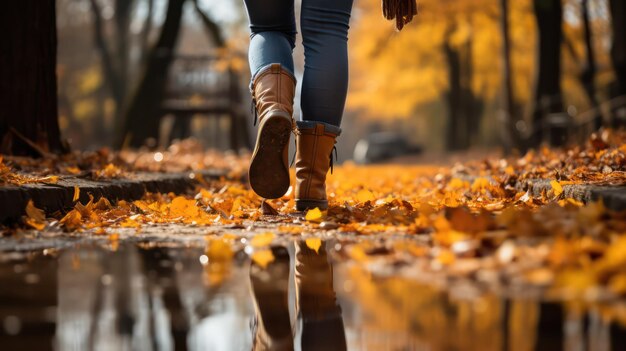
{"type": "Point", "coordinates": [160, 291]}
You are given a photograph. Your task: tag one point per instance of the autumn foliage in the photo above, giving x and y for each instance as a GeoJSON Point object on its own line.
{"type": "Point", "coordinates": [485, 220]}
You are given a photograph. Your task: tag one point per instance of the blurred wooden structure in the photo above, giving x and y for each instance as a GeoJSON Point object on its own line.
{"type": "Point", "coordinates": [207, 86]}
{"type": "Point", "coordinates": [561, 128]}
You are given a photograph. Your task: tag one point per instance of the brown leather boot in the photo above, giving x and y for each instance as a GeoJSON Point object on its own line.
{"type": "Point", "coordinates": [315, 144]}
{"type": "Point", "coordinates": [272, 90]}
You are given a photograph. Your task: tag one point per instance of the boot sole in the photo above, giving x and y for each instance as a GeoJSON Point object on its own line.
{"type": "Point", "coordinates": [268, 173]}
{"type": "Point", "coordinates": [303, 205]}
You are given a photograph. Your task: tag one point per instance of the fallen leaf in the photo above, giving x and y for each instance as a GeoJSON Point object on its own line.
{"type": "Point", "coordinates": [182, 207]}
{"type": "Point", "coordinates": [34, 213]}
{"type": "Point", "coordinates": [263, 258]}
{"type": "Point", "coordinates": [314, 215]}
{"type": "Point", "coordinates": [72, 170]}
{"type": "Point", "coordinates": [262, 239]}
{"type": "Point", "coordinates": [76, 193]}
{"type": "Point", "coordinates": [556, 187]}
{"type": "Point", "coordinates": [364, 195]}
{"type": "Point", "coordinates": [72, 220]}
{"type": "Point", "coordinates": [314, 244]}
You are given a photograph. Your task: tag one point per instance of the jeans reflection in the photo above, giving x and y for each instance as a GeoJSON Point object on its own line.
{"type": "Point", "coordinates": [318, 325]}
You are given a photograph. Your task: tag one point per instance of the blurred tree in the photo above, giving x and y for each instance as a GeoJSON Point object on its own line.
{"type": "Point", "coordinates": [588, 73]}
{"type": "Point", "coordinates": [115, 63]}
{"type": "Point", "coordinates": [146, 30]}
{"type": "Point", "coordinates": [509, 135]}
{"type": "Point", "coordinates": [142, 117]}
{"type": "Point", "coordinates": [28, 87]}
{"type": "Point", "coordinates": [214, 32]}
{"type": "Point", "coordinates": [464, 108]}
{"type": "Point", "coordinates": [440, 56]}
{"type": "Point", "coordinates": [618, 47]}
{"type": "Point", "coordinates": [547, 91]}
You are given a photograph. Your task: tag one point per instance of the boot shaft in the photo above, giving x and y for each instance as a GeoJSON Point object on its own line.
{"type": "Point", "coordinates": [273, 89]}
{"type": "Point", "coordinates": [315, 145]}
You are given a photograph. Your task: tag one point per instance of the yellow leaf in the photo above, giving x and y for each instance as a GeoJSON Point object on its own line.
{"type": "Point", "coordinates": [262, 239]}
{"type": "Point", "coordinates": [236, 205]}
{"type": "Point", "coordinates": [314, 215]}
{"type": "Point", "coordinates": [35, 217]}
{"type": "Point", "coordinates": [446, 257]}
{"type": "Point", "coordinates": [130, 223]}
{"type": "Point", "coordinates": [34, 213]}
{"type": "Point", "coordinates": [50, 179]}
{"type": "Point", "coordinates": [219, 250]}
{"type": "Point", "coordinates": [102, 204]}
{"type": "Point", "coordinates": [182, 207]}
{"type": "Point", "coordinates": [456, 183]}
{"type": "Point", "coordinates": [114, 240]}
{"type": "Point", "coordinates": [479, 184]}
{"type": "Point", "coordinates": [72, 170]}
{"type": "Point", "coordinates": [556, 187]}
{"type": "Point", "coordinates": [72, 220]}
{"type": "Point", "coordinates": [617, 284]}
{"type": "Point", "coordinates": [314, 244]}
{"type": "Point", "coordinates": [364, 196]}
{"type": "Point", "coordinates": [263, 258]}
{"type": "Point", "coordinates": [357, 253]}
{"type": "Point", "coordinates": [76, 193]}
{"type": "Point", "coordinates": [35, 225]}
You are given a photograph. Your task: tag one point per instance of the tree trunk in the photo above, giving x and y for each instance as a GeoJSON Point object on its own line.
{"type": "Point", "coordinates": [141, 120]}
{"type": "Point", "coordinates": [122, 22]}
{"type": "Point", "coordinates": [146, 30]}
{"type": "Point", "coordinates": [464, 109]}
{"type": "Point", "coordinates": [213, 30]}
{"type": "Point", "coordinates": [453, 97]}
{"type": "Point", "coordinates": [618, 48]}
{"type": "Point", "coordinates": [547, 91]}
{"type": "Point", "coordinates": [28, 87]}
{"type": "Point", "coordinates": [508, 132]}
{"type": "Point", "coordinates": [588, 74]}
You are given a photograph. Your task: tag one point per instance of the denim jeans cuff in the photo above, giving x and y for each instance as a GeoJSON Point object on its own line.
{"type": "Point", "coordinates": [311, 124]}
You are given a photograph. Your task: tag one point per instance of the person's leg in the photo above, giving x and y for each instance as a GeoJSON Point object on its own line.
{"type": "Point", "coordinates": [273, 84]}
{"type": "Point", "coordinates": [273, 33]}
{"type": "Point", "coordinates": [324, 25]}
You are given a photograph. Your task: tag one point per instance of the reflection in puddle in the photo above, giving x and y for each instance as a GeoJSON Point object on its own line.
{"type": "Point", "coordinates": [319, 325]}
{"type": "Point", "coordinates": [169, 298]}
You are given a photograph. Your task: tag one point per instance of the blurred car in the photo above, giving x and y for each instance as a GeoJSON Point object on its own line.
{"type": "Point", "coordinates": [382, 147]}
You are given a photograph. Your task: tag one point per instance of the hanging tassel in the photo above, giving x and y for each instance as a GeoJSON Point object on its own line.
{"type": "Point", "coordinates": [402, 11]}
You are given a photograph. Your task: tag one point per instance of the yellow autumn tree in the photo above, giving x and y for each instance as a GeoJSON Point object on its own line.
{"type": "Point", "coordinates": [400, 76]}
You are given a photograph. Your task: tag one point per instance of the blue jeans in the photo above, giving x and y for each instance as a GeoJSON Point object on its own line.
{"type": "Point", "coordinates": [324, 25]}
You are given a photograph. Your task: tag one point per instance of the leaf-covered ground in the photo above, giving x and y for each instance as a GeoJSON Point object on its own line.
{"type": "Point", "coordinates": [470, 222]}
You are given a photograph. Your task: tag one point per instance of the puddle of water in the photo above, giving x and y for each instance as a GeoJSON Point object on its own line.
{"type": "Point", "coordinates": [171, 298]}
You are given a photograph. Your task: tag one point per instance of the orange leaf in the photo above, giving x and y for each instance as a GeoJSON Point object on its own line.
{"type": "Point", "coordinates": [314, 215]}
{"type": "Point", "coordinates": [556, 187]}
{"type": "Point", "coordinates": [263, 239]}
{"type": "Point", "coordinates": [314, 244]}
{"type": "Point", "coordinates": [76, 193]}
{"type": "Point", "coordinates": [263, 258]}
{"type": "Point", "coordinates": [364, 196]}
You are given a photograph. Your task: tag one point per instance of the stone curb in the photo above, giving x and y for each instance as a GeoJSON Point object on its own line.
{"type": "Point", "coordinates": [58, 197]}
{"type": "Point", "coordinates": [613, 196]}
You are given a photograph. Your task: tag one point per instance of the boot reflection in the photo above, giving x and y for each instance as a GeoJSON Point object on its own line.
{"type": "Point", "coordinates": [319, 325]}
{"type": "Point", "coordinates": [272, 325]}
